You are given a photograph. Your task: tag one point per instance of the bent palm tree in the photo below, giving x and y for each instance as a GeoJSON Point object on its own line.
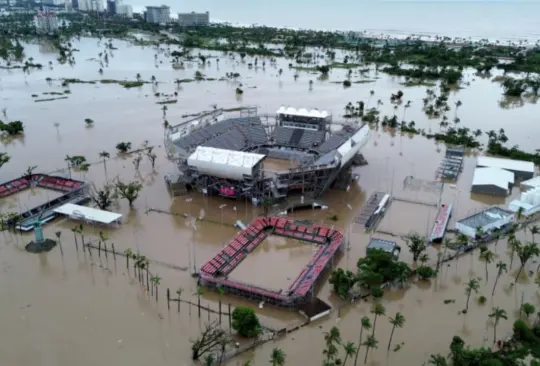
{"type": "Point", "coordinates": [472, 285]}
{"type": "Point", "coordinates": [501, 268]}
{"type": "Point", "coordinates": [397, 321]}
{"type": "Point", "coordinates": [371, 342]}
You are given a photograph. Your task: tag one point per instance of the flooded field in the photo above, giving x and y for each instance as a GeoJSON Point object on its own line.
{"type": "Point", "coordinates": [28, 199]}
{"type": "Point", "coordinates": [277, 260]}
{"type": "Point", "coordinates": [91, 310]}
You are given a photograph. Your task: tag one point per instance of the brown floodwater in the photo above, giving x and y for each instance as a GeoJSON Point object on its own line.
{"type": "Point", "coordinates": [76, 309]}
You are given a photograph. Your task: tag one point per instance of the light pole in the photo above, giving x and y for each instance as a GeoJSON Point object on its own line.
{"type": "Point", "coordinates": [221, 207]}
{"type": "Point", "coordinates": [188, 201]}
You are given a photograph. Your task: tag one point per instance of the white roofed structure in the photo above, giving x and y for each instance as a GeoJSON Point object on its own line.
{"type": "Point", "coordinates": [227, 164]}
{"type": "Point", "coordinates": [531, 183]}
{"type": "Point", "coordinates": [353, 145]}
{"type": "Point", "coordinates": [522, 169]}
{"type": "Point", "coordinates": [88, 214]}
{"type": "Point", "coordinates": [492, 181]}
{"type": "Point", "coordinates": [302, 112]}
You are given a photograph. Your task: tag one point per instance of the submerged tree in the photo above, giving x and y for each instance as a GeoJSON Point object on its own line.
{"type": "Point", "coordinates": [103, 198]}
{"type": "Point", "coordinates": [129, 191]}
{"type": "Point", "coordinates": [487, 256]}
{"type": "Point", "coordinates": [277, 357]}
{"type": "Point", "coordinates": [371, 342]}
{"type": "Point", "coordinates": [123, 147]}
{"type": "Point", "coordinates": [245, 322]}
{"type": "Point", "coordinates": [472, 286]}
{"type": "Point", "coordinates": [4, 159]}
{"type": "Point", "coordinates": [501, 268]}
{"type": "Point", "coordinates": [378, 310]}
{"type": "Point", "coordinates": [416, 244]}
{"type": "Point", "coordinates": [525, 253]}
{"type": "Point", "coordinates": [497, 314]}
{"type": "Point", "coordinates": [210, 340]}
{"type": "Point", "coordinates": [364, 324]}
{"type": "Point", "coordinates": [397, 321]}
{"type": "Point", "coordinates": [104, 155]}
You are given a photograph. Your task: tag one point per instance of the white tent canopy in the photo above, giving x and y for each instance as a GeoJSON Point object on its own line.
{"type": "Point", "coordinates": [84, 213]}
{"type": "Point", "coordinates": [224, 163]}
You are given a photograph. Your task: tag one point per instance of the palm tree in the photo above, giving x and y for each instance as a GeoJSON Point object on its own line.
{"type": "Point", "coordinates": [513, 245]}
{"type": "Point", "coordinates": [365, 324]}
{"type": "Point", "coordinates": [497, 314]}
{"type": "Point", "coordinates": [525, 253]}
{"type": "Point", "coordinates": [397, 321]}
{"type": "Point", "coordinates": [129, 254]}
{"type": "Point", "coordinates": [333, 336]}
{"type": "Point", "coordinates": [488, 256]}
{"type": "Point", "coordinates": [472, 285]}
{"type": "Point", "coordinates": [377, 311]}
{"type": "Point", "coordinates": [437, 360]}
{"type": "Point", "coordinates": [58, 234]}
{"type": "Point", "coordinates": [104, 155]}
{"type": "Point", "coordinates": [371, 342]}
{"type": "Point", "coordinates": [277, 357]}
{"type": "Point", "coordinates": [350, 350]}
{"type": "Point", "coordinates": [138, 77]}
{"type": "Point", "coordinates": [534, 230]}
{"type": "Point", "coordinates": [501, 268]}
{"type": "Point", "coordinates": [156, 280]}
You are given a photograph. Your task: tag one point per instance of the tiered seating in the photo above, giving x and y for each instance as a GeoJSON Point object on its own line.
{"type": "Point", "coordinates": [58, 183]}
{"type": "Point", "coordinates": [247, 240]}
{"type": "Point", "coordinates": [336, 140]}
{"type": "Point", "coordinates": [232, 134]}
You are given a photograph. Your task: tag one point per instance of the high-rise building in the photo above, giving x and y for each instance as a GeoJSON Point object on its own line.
{"type": "Point", "coordinates": [111, 6]}
{"type": "Point", "coordinates": [46, 22]}
{"type": "Point", "coordinates": [158, 14]}
{"type": "Point", "coordinates": [124, 10]}
{"type": "Point", "coordinates": [52, 2]}
{"type": "Point", "coordinates": [193, 19]}
{"type": "Point", "coordinates": [91, 5]}
{"type": "Point", "coordinates": [75, 4]}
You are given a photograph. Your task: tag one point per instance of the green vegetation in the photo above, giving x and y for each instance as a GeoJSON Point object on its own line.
{"type": "Point", "coordinates": [129, 191]}
{"type": "Point", "coordinates": [75, 161]}
{"type": "Point", "coordinates": [12, 128]}
{"type": "Point", "coordinates": [375, 269]}
{"type": "Point", "coordinates": [449, 76]}
{"type": "Point", "coordinates": [4, 159]}
{"type": "Point", "coordinates": [496, 146]}
{"type": "Point", "coordinates": [123, 147]}
{"type": "Point", "coordinates": [245, 322]}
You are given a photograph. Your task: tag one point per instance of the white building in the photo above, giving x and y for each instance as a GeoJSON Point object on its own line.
{"type": "Point", "coordinates": [227, 164]}
{"type": "Point", "coordinates": [529, 203]}
{"type": "Point", "coordinates": [46, 22]}
{"type": "Point", "coordinates": [52, 2]}
{"type": "Point", "coordinates": [521, 169]}
{"type": "Point", "coordinates": [494, 218]}
{"type": "Point", "coordinates": [124, 10]}
{"type": "Point", "coordinates": [91, 5]}
{"type": "Point", "coordinates": [492, 181]}
{"type": "Point", "coordinates": [193, 19]}
{"type": "Point", "coordinates": [158, 14]}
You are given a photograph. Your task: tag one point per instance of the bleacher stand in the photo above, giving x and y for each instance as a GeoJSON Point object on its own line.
{"type": "Point", "coordinates": [217, 269]}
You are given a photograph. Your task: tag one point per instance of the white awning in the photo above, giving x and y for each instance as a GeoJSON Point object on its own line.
{"type": "Point", "coordinates": [88, 213]}
{"type": "Point", "coordinates": [507, 164]}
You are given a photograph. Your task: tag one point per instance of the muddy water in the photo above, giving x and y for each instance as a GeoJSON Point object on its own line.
{"type": "Point", "coordinates": [61, 308]}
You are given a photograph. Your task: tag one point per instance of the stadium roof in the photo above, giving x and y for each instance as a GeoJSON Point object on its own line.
{"type": "Point", "coordinates": [493, 176]}
{"type": "Point", "coordinates": [302, 112]}
{"type": "Point", "coordinates": [514, 165]}
{"type": "Point", "coordinates": [224, 163]}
